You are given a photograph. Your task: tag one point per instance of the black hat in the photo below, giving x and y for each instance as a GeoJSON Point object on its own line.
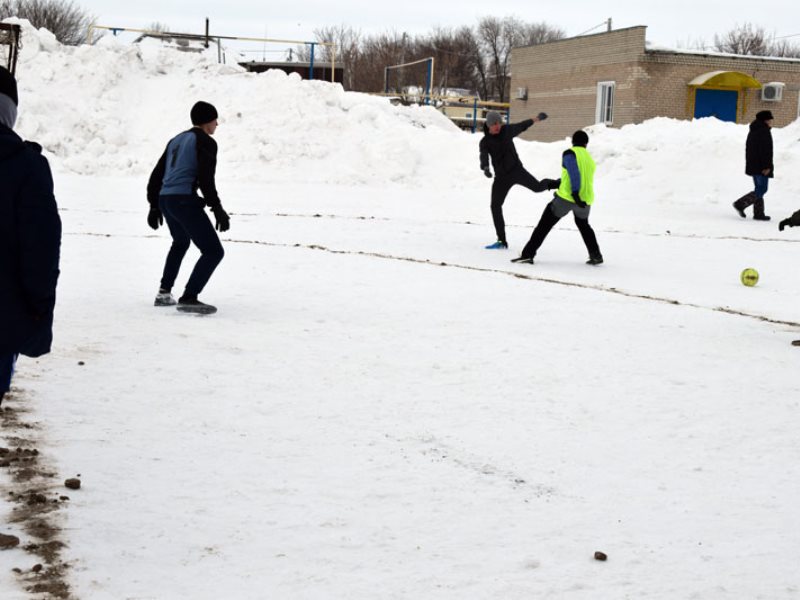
{"type": "Point", "coordinates": [764, 115]}
{"type": "Point", "coordinates": [8, 85]}
{"type": "Point", "coordinates": [203, 113]}
{"type": "Point", "coordinates": [580, 138]}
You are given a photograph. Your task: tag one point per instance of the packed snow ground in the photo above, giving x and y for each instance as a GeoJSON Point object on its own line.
{"type": "Point", "coordinates": [358, 423]}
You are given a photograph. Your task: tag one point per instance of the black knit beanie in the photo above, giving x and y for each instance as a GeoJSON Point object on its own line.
{"type": "Point", "coordinates": [8, 85]}
{"type": "Point", "coordinates": [203, 113]}
{"type": "Point", "coordinates": [580, 138]}
{"type": "Point", "coordinates": [764, 115]}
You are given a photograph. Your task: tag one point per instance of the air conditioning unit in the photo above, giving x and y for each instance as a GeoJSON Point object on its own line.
{"type": "Point", "coordinates": [772, 92]}
{"type": "Point", "coordinates": [522, 93]}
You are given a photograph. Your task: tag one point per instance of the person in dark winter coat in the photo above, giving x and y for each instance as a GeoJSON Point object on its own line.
{"type": "Point", "coordinates": [758, 164]}
{"type": "Point", "coordinates": [189, 163]}
{"type": "Point", "coordinates": [30, 242]}
{"type": "Point", "coordinates": [498, 143]}
{"type": "Point", "coordinates": [576, 195]}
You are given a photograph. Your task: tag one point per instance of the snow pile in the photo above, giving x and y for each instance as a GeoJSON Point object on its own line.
{"type": "Point", "coordinates": [381, 407]}
{"type": "Point", "coordinates": [111, 108]}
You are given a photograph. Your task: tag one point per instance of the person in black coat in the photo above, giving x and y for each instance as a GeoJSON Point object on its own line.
{"type": "Point", "coordinates": [758, 164]}
{"type": "Point", "coordinates": [498, 143]}
{"type": "Point", "coordinates": [30, 242]}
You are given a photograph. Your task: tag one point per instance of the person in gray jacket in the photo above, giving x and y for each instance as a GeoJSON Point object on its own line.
{"type": "Point", "coordinates": [188, 163]}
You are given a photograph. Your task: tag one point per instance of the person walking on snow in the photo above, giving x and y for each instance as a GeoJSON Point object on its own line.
{"type": "Point", "coordinates": [498, 143]}
{"type": "Point", "coordinates": [30, 242]}
{"type": "Point", "coordinates": [188, 163]}
{"type": "Point", "coordinates": [576, 195]}
{"type": "Point", "coordinates": [758, 164]}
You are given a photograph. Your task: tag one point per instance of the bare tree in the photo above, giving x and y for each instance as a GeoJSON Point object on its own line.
{"type": "Point", "coordinates": [473, 58]}
{"type": "Point", "coordinates": [451, 51]}
{"type": "Point", "coordinates": [784, 49]}
{"type": "Point", "coordinates": [752, 40]}
{"type": "Point", "coordinates": [541, 33]}
{"type": "Point", "coordinates": [63, 18]}
{"type": "Point", "coordinates": [499, 36]}
{"type": "Point", "coordinates": [157, 27]}
{"type": "Point", "coordinates": [347, 50]}
{"type": "Point", "coordinates": [476, 66]}
{"type": "Point", "coordinates": [744, 39]}
{"type": "Point", "coordinates": [380, 51]}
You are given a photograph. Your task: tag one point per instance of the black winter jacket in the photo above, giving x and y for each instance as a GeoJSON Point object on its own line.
{"type": "Point", "coordinates": [501, 148]}
{"type": "Point", "coordinates": [758, 149]}
{"type": "Point", "coordinates": [30, 242]}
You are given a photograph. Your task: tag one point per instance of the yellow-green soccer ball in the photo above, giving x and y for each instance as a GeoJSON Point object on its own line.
{"type": "Point", "coordinates": [749, 277]}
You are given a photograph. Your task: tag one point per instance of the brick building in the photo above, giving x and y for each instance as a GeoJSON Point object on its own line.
{"type": "Point", "coordinates": [615, 78]}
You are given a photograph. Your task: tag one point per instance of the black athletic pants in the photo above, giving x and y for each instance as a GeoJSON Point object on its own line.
{"type": "Point", "coordinates": [500, 188]}
{"type": "Point", "coordinates": [548, 221]}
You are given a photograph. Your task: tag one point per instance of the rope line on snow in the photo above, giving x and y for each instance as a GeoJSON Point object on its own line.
{"type": "Point", "coordinates": [515, 274]}
{"type": "Point", "coordinates": [666, 233]}
{"type": "Point", "coordinates": [599, 288]}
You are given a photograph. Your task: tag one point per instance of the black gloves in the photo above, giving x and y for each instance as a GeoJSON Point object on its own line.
{"type": "Point", "coordinates": [221, 217]}
{"type": "Point", "coordinates": [487, 172]}
{"type": "Point", "coordinates": [155, 218]}
{"type": "Point", "coordinates": [576, 195]}
{"type": "Point", "coordinates": [541, 116]}
{"type": "Point", "coordinates": [793, 221]}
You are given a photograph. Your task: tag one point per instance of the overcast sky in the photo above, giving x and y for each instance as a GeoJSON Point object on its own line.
{"type": "Point", "coordinates": [673, 24]}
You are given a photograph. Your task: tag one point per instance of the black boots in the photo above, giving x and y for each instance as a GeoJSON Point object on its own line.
{"type": "Point", "coordinates": [758, 210]}
{"type": "Point", "coordinates": [756, 202]}
{"type": "Point", "coordinates": [190, 304]}
{"type": "Point", "coordinates": [743, 203]}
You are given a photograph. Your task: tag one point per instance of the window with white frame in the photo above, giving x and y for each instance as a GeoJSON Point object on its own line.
{"type": "Point", "coordinates": [605, 102]}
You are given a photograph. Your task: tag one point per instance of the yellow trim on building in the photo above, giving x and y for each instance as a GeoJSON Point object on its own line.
{"type": "Point", "coordinates": [722, 80]}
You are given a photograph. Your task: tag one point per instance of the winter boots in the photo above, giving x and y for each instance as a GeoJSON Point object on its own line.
{"type": "Point", "coordinates": [758, 210]}
{"type": "Point", "coordinates": [757, 203]}
{"type": "Point", "coordinates": [743, 203]}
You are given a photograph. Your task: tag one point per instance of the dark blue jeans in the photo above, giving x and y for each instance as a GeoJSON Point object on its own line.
{"type": "Point", "coordinates": [7, 362]}
{"type": "Point", "coordinates": [188, 222]}
{"type": "Point", "coordinates": [761, 183]}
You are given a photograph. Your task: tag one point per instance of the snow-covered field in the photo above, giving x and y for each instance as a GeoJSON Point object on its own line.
{"type": "Point", "coordinates": [382, 408]}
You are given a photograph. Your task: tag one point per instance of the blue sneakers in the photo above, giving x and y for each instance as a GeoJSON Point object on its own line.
{"type": "Point", "coordinates": [498, 245]}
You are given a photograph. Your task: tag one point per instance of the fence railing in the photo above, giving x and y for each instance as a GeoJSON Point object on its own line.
{"type": "Point", "coordinates": [10, 36]}
{"type": "Point", "coordinates": [468, 112]}
{"type": "Point", "coordinates": [207, 38]}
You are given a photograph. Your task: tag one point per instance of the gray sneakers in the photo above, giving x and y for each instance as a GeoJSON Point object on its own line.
{"type": "Point", "coordinates": [164, 299]}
